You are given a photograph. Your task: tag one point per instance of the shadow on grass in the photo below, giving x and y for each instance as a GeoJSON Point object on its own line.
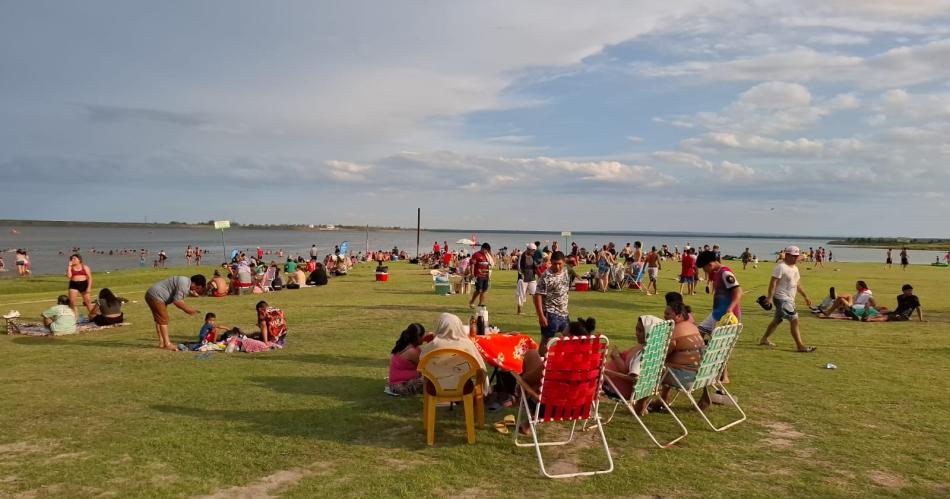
{"type": "Point", "coordinates": [328, 360]}
{"type": "Point", "coordinates": [51, 340]}
{"type": "Point", "coordinates": [364, 417]}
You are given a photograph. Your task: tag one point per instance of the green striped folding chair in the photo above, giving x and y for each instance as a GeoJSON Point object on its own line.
{"type": "Point", "coordinates": [649, 383]}
{"type": "Point", "coordinates": [710, 371]}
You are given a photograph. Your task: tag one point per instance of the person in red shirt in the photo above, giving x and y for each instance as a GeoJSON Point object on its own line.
{"type": "Point", "coordinates": [446, 260]}
{"type": "Point", "coordinates": [479, 266]}
{"type": "Point", "coordinates": [688, 273]}
{"type": "Point", "coordinates": [435, 249]}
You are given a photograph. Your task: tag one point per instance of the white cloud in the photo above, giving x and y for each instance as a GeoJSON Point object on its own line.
{"type": "Point", "coordinates": [636, 139]}
{"type": "Point", "coordinates": [346, 171]}
{"type": "Point", "coordinates": [839, 39]}
{"type": "Point", "coordinates": [900, 66]}
{"type": "Point", "coordinates": [772, 108]}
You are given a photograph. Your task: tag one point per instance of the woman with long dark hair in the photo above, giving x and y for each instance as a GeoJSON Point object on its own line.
{"type": "Point", "coordinates": [404, 379]}
{"type": "Point", "coordinates": [108, 309]}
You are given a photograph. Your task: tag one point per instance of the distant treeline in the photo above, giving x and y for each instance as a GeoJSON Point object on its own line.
{"type": "Point", "coordinates": [890, 242]}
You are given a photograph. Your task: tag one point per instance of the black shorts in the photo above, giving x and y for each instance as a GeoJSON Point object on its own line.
{"type": "Point", "coordinates": [482, 285]}
{"type": "Point", "coordinates": [894, 316]}
{"type": "Point", "coordinates": [101, 320]}
{"type": "Point", "coordinates": [81, 286]}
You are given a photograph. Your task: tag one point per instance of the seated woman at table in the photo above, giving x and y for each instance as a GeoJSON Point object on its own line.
{"type": "Point", "coordinates": [627, 362]}
{"type": "Point", "coordinates": [685, 352]}
{"type": "Point", "coordinates": [404, 379]}
{"type": "Point", "coordinates": [450, 334]}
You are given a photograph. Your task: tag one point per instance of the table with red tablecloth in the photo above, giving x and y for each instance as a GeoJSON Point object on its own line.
{"type": "Point", "coordinates": [505, 351]}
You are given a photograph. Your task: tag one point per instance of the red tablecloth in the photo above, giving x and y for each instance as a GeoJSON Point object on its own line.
{"type": "Point", "coordinates": [505, 350]}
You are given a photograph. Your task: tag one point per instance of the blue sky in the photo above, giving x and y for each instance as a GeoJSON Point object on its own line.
{"type": "Point", "coordinates": [808, 117]}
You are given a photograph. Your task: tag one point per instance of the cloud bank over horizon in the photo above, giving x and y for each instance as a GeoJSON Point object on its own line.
{"type": "Point", "coordinates": [800, 117]}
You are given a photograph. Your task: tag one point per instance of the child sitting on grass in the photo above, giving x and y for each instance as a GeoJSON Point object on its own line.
{"type": "Point", "coordinates": [209, 334]}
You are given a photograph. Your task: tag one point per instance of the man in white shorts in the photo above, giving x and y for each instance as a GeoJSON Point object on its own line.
{"type": "Point", "coordinates": [783, 288]}
{"type": "Point", "coordinates": [528, 276]}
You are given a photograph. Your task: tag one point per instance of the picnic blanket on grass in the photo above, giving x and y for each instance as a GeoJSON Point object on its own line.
{"type": "Point", "coordinates": [38, 329]}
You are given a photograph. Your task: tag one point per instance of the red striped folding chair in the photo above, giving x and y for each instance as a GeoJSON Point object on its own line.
{"type": "Point", "coordinates": [570, 385]}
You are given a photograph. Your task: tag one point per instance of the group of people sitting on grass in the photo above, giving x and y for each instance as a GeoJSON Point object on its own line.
{"type": "Point", "coordinates": [61, 319]}
{"type": "Point", "coordinates": [271, 334]}
{"type": "Point", "coordinates": [862, 305]}
{"type": "Point", "coordinates": [623, 366]}
{"type": "Point", "coordinates": [260, 278]}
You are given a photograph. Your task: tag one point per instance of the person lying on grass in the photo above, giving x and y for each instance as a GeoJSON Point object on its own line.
{"type": "Point", "coordinates": [860, 304]}
{"type": "Point", "coordinates": [907, 304]}
{"type": "Point", "coordinates": [404, 379]}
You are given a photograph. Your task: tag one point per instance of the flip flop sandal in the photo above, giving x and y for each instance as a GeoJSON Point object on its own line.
{"type": "Point", "coordinates": [509, 420]}
{"type": "Point", "coordinates": [769, 344]}
{"type": "Point", "coordinates": [808, 350]}
{"type": "Point", "coordinates": [500, 427]}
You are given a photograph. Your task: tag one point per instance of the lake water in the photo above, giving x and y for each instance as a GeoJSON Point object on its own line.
{"type": "Point", "coordinates": [46, 244]}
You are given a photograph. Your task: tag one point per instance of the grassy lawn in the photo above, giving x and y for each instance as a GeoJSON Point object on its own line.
{"type": "Point", "coordinates": [108, 414]}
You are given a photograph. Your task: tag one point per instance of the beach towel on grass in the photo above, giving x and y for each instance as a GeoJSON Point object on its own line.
{"type": "Point", "coordinates": [37, 329]}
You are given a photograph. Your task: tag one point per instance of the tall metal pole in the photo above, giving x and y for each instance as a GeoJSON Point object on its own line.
{"type": "Point", "coordinates": [418, 229]}
{"type": "Point", "coordinates": [224, 249]}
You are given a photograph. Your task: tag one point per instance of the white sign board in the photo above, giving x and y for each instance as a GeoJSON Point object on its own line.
{"type": "Point", "coordinates": [222, 224]}
{"type": "Point", "coordinates": [565, 234]}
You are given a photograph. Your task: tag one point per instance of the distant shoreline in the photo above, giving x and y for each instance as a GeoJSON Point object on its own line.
{"type": "Point", "coordinates": [929, 244]}
{"type": "Point", "coordinates": [359, 228]}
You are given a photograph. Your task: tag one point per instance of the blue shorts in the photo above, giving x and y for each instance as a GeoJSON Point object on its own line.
{"type": "Point", "coordinates": [556, 324]}
{"type": "Point", "coordinates": [482, 285]}
{"type": "Point", "coordinates": [686, 378]}
{"type": "Point", "coordinates": [687, 280]}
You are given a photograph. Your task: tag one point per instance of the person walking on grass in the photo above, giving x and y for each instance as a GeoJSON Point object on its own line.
{"type": "Point", "coordinates": [550, 300]}
{"type": "Point", "coordinates": [172, 291]}
{"type": "Point", "coordinates": [905, 261]}
{"type": "Point", "coordinates": [480, 266]}
{"type": "Point", "coordinates": [527, 270]}
{"type": "Point", "coordinates": [784, 286]}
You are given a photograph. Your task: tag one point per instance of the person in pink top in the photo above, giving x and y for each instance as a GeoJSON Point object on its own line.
{"type": "Point", "coordinates": [404, 379]}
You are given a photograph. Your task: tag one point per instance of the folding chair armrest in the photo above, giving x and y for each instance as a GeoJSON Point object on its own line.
{"type": "Point", "coordinates": [525, 386]}
{"type": "Point", "coordinates": [620, 375]}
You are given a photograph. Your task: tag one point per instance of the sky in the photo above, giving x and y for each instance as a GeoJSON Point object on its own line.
{"type": "Point", "coordinates": [826, 117]}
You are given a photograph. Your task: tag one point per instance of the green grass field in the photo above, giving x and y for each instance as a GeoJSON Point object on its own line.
{"type": "Point", "coordinates": [108, 414]}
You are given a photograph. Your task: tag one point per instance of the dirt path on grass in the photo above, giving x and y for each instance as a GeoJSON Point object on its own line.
{"type": "Point", "coordinates": [271, 485]}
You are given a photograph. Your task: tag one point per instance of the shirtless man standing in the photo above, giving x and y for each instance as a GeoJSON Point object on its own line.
{"type": "Point", "coordinates": [653, 270]}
